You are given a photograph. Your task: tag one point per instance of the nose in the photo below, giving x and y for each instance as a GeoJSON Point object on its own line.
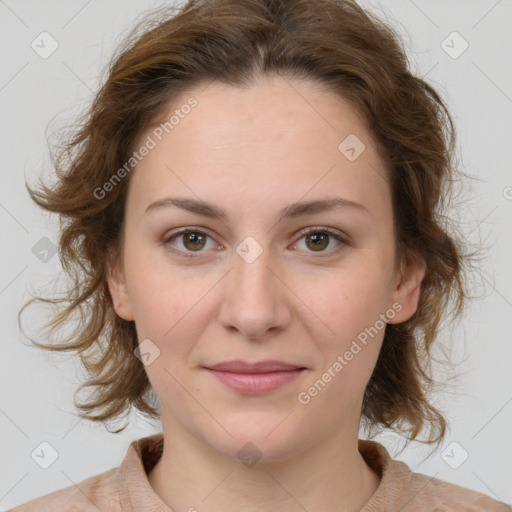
{"type": "Point", "coordinates": [254, 298]}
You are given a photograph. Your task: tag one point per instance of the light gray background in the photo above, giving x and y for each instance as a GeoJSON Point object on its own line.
{"type": "Point", "coordinates": [36, 392]}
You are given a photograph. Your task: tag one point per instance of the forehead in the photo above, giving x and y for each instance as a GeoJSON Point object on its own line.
{"type": "Point", "coordinates": [270, 107]}
{"type": "Point", "coordinates": [278, 136]}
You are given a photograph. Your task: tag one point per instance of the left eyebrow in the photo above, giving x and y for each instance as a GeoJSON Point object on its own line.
{"type": "Point", "coordinates": [292, 210]}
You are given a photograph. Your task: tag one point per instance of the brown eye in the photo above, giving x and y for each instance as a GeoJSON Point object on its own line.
{"type": "Point", "coordinates": [187, 242]}
{"type": "Point", "coordinates": [318, 241]}
{"type": "Point", "coordinates": [193, 240]}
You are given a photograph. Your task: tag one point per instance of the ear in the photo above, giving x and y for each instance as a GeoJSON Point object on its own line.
{"type": "Point", "coordinates": [118, 288]}
{"type": "Point", "coordinates": [408, 287]}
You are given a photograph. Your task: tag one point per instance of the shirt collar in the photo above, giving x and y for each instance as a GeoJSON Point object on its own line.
{"type": "Point", "coordinates": [137, 495]}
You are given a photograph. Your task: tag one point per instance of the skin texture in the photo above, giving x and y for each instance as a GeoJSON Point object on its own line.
{"type": "Point", "coordinates": [251, 152]}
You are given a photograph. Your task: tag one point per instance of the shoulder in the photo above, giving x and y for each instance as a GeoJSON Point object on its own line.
{"type": "Point", "coordinates": [435, 494]}
{"type": "Point", "coordinates": [402, 490]}
{"type": "Point", "coordinates": [121, 488]}
{"type": "Point", "coordinates": [96, 492]}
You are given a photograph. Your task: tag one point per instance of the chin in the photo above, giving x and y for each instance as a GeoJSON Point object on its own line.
{"type": "Point", "coordinates": [259, 438]}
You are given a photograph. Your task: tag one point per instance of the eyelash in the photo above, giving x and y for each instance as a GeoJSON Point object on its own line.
{"type": "Point", "coordinates": [307, 231]}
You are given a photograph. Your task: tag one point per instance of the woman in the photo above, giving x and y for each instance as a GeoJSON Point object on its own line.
{"type": "Point", "coordinates": [253, 230]}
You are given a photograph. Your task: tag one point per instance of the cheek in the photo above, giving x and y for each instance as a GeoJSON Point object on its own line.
{"type": "Point", "coordinates": [347, 302]}
{"type": "Point", "coordinates": [160, 305]}
{"type": "Point", "coordinates": [157, 295]}
{"type": "Point", "coordinates": [335, 390]}
{"type": "Point", "coordinates": [350, 334]}
{"type": "Point", "coordinates": [348, 356]}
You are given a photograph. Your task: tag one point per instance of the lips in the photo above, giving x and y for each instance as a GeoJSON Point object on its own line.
{"type": "Point", "coordinates": [255, 378]}
{"type": "Point", "coordinates": [239, 366]}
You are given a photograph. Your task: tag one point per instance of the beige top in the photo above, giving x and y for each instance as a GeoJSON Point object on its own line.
{"type": "Point", "coordinates": [127, 487]}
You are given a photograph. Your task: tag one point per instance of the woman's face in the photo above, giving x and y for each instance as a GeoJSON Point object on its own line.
{"type": "Point", "coordinates": [251, 285]}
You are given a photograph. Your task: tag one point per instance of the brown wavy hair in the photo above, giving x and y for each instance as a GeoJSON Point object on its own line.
{"type": "Point", "coordinates": [335, 43]}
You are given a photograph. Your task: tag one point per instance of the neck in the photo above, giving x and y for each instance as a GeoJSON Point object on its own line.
{"type": "Point", "coordinates": [331, 475]}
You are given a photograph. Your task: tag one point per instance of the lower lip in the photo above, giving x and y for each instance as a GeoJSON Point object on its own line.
{"type": "Point", "coordinates": [256, 383]}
